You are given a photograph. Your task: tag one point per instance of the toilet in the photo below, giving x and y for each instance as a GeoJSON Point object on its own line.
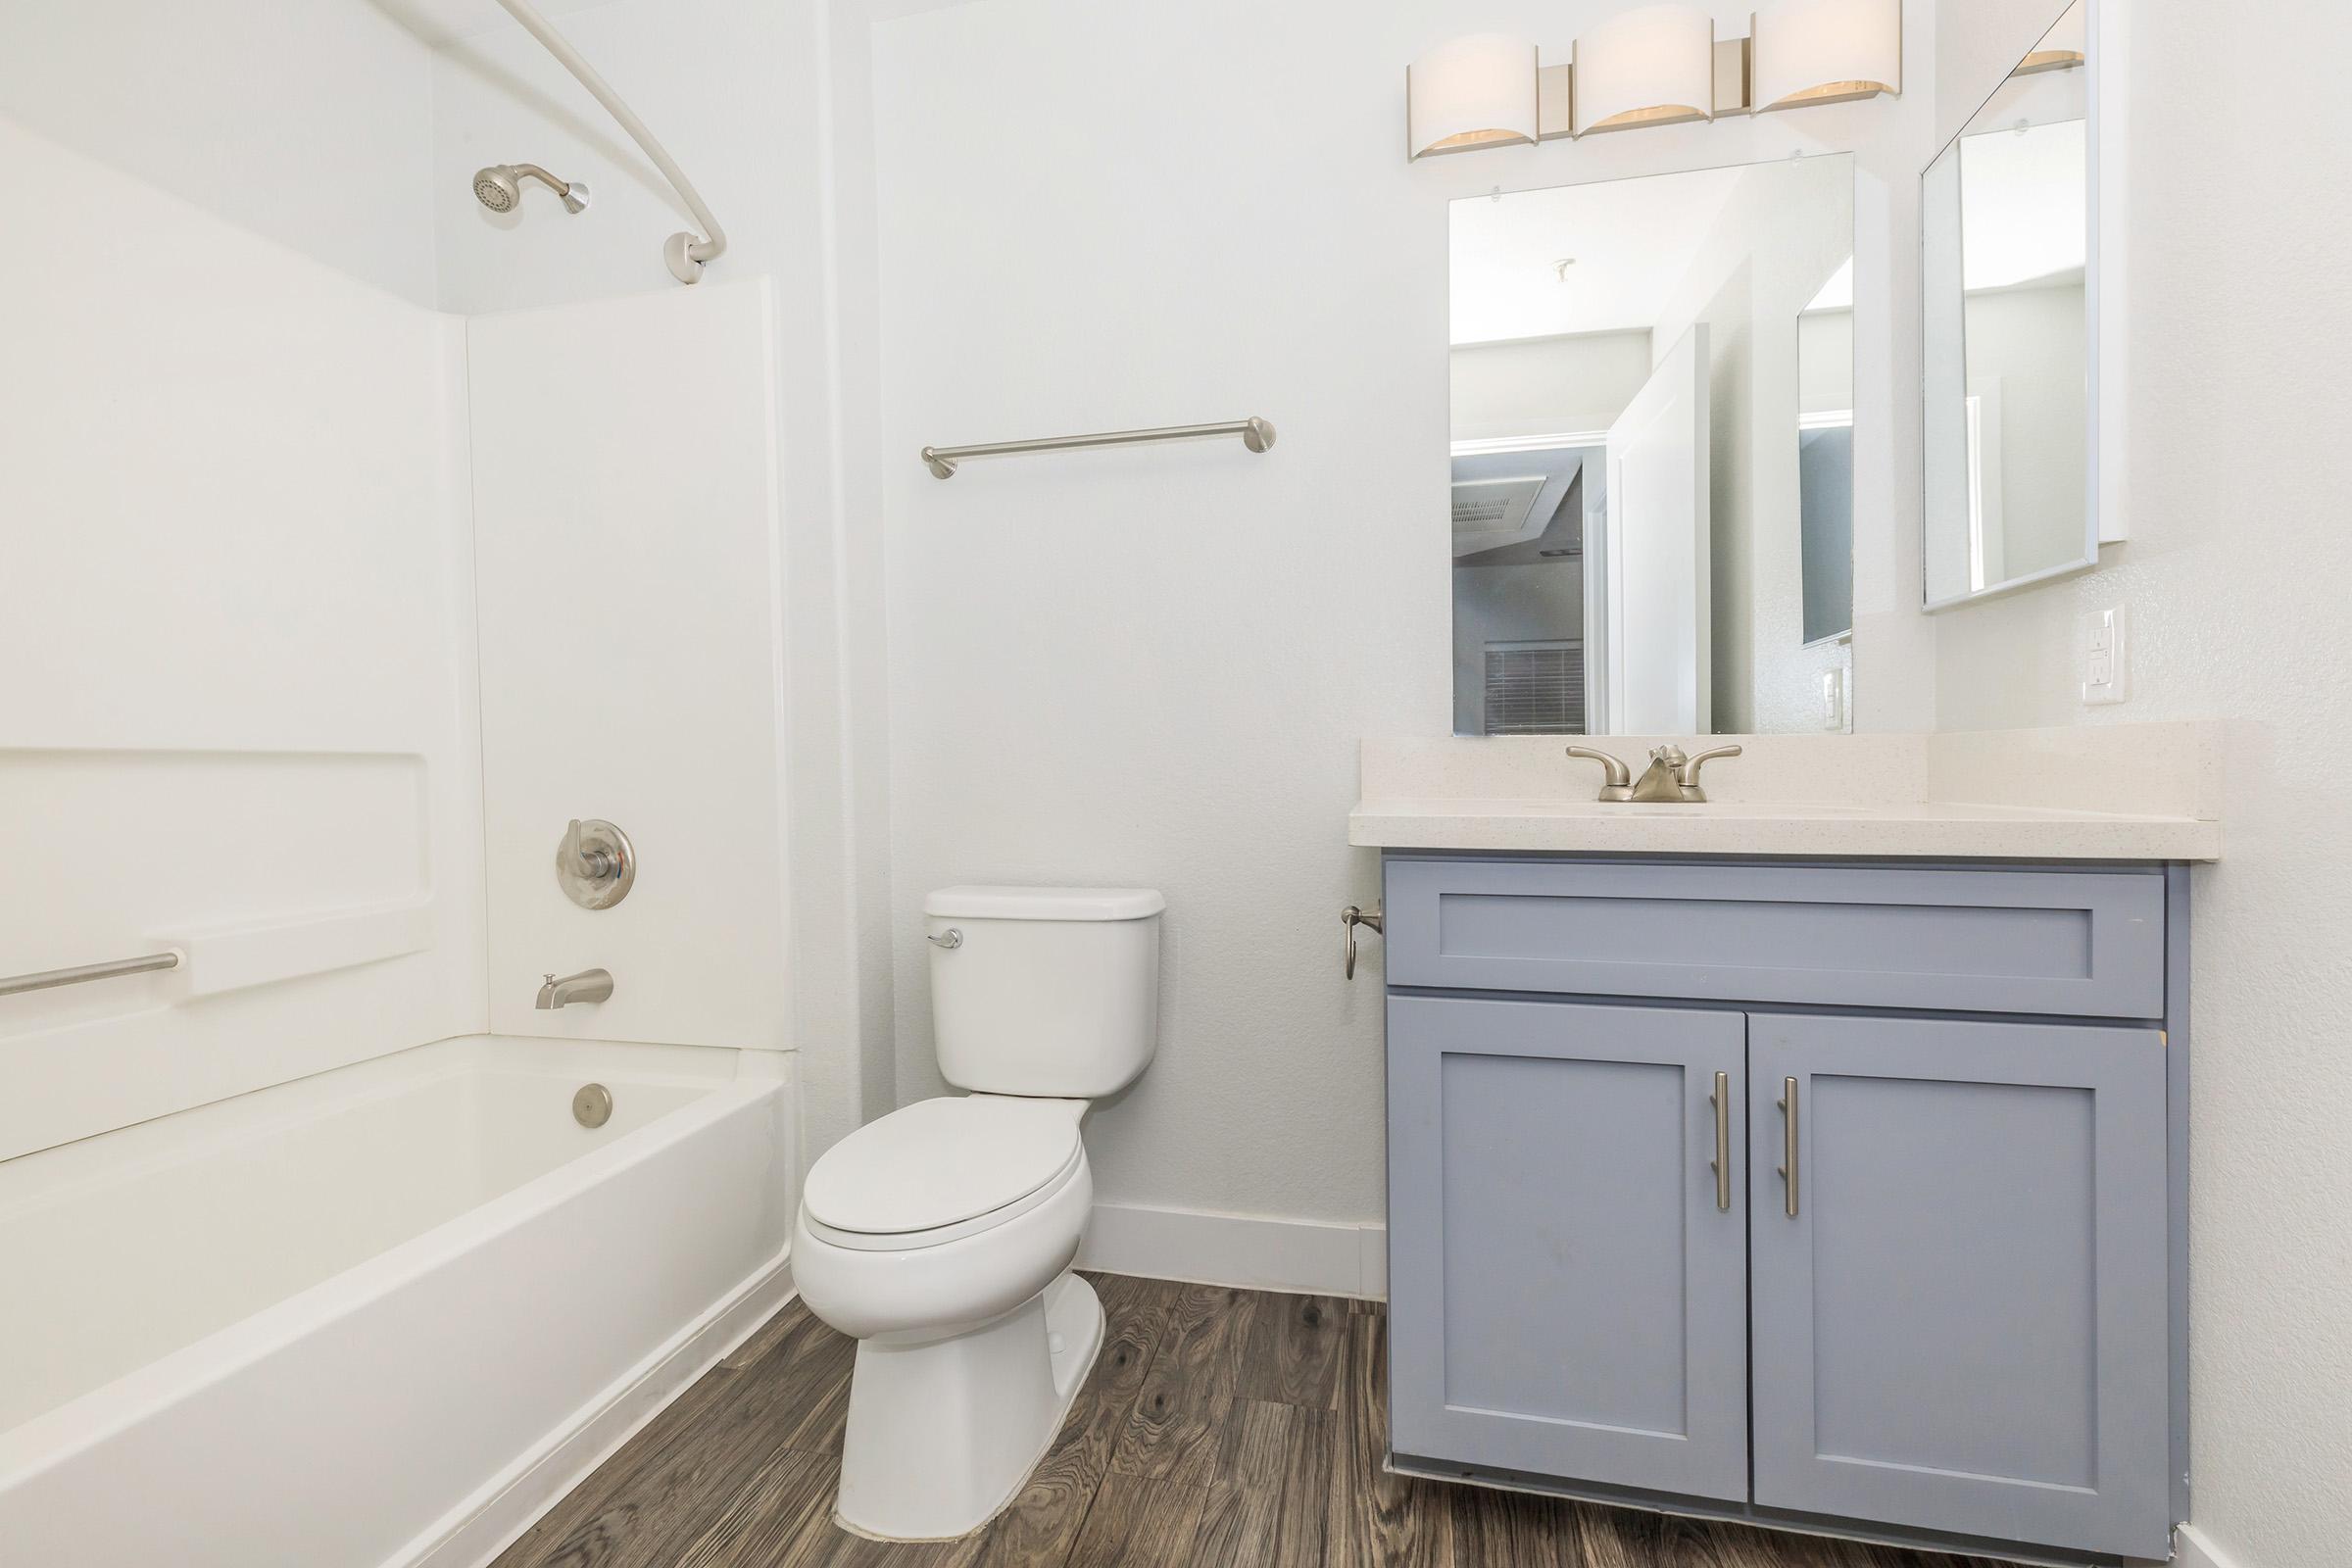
{"type": "Point", "coordinates": [941, 1236]}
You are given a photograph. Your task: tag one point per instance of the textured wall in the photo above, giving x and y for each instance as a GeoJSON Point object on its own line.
{"type": "Point", "coordinates": [1154, 666]}
{"type": "Point", "coordinates": [2234, 578]}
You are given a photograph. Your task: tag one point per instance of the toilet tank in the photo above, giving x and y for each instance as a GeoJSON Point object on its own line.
{"type": "Point", "coordinates": [1051, 991]}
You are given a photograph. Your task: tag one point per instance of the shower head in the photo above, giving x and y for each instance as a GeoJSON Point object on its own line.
{"type": "Point", "coordinates": [500, 188]}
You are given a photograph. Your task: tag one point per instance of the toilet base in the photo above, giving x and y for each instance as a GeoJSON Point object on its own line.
{"type": "Point", "coordinates": [945, 1427]}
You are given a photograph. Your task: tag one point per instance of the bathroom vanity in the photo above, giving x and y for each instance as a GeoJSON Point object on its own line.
{"type": "Point", "coordinates": [1842, 1191]}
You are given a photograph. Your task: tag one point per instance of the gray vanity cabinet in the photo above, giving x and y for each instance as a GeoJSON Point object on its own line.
{"type": "Point", "coordinates": [1935, 1293]}
{"type": "Point", "coordinates": [1568, 1270]}
{"type": "Point", "coordinates": [1961, 1327]}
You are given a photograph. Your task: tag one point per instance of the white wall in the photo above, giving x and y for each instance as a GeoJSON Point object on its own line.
{"type": "Point", "coordinates": [2235, 583]}
{"type": "Point", "coordinates": [307, 121]}
{"type": "Point", "coordinates": [1546, 385]}
{"type": "Point", "coordinates": [1783, 231]}
{"type": "Point", "coordinates": [1154, 666]}
{"type": "Point", "coordinates": [235, 616]}
{"type": "Point", "coordinates": [1825, 361]}
{"type": "Point", "coordinates": [2029, 342]}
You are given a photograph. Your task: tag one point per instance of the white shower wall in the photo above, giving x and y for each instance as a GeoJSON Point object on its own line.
{"type": "Point", "coordinates": [236, 619]}
{"type": "Point", "coordinates": [762, 104]}
{"type": "Point", "coordinates": [626, 534]}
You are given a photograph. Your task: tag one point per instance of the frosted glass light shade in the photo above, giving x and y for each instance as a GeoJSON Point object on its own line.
{"type": "Point", "coordinates": [1474, 91]}
{"type": "Point", "coordinates": [1651, 67]}
{"type": "Point", "coordinates": [2064, 46]}
{"type": "Point", "coordinates": [1826, 51]}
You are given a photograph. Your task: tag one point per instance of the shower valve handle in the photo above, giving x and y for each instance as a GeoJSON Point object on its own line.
{"type": "Point", "coordinates": [596, 864]}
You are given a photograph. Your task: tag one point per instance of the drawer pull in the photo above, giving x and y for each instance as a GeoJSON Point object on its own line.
{"type": "Point", "coordinates": [1721, 1164]}
{"type": "Point", "coordinates": [1787, 1104]}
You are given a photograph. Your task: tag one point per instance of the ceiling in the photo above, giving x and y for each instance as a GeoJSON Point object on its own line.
{"type": "Point", "coordinates": [440, 22]}
{"type": "Point", "coordinates": [2022, 197]}
{"type": "Point", "coordinates": [1633, 239]}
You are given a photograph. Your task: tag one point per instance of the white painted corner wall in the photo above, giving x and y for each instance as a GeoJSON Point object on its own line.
{"type": "Point", "coordinates": [1152, 666]}
{"type": "Point", "coordinates": [2232, 579]}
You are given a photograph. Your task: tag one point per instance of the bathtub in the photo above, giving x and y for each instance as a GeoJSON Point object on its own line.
{"type": "Point", "coordinates": [381, 1316]}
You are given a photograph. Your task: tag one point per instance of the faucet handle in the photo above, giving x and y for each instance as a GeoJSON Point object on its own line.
{"type": "Point", "coordinates": [1617, 773]}
{"type": "Point", "coordinates": [1617, 780]}
{"type": "Point", "coordinates": [1689, 777]}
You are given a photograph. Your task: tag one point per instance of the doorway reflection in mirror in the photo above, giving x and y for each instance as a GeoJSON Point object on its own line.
{"type": "Point", "coordinates": [1639, 546]}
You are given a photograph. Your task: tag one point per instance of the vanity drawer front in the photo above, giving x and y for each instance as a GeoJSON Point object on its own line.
{"type": "Point", "coordinates": [2085, 944]}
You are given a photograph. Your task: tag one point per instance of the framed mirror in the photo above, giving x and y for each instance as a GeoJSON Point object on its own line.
{"type": "Point", "coordinates": [1652, 451]}
{"type": "Point", "coordinates": [2010, 311]}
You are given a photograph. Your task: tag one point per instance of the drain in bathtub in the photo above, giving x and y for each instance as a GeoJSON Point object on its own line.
{"type": "Point", "coordinates": [592, 1106]}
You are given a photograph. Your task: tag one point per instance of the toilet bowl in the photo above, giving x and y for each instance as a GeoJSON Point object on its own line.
{"type": "Point", "coordinates": [941, 1236]}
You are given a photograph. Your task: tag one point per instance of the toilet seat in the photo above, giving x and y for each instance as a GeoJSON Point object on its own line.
{"type": "Point", "coordinates": [941, 1169]}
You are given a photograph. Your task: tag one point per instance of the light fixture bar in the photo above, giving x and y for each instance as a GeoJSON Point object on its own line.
{"type": "Point", "coordinates": [1640, 70]}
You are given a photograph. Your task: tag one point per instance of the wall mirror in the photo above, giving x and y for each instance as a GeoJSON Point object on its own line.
{"type": "Point", "coordinates": [2010, 311]}
{"type": "Point", "coordinates": [1652, 403]}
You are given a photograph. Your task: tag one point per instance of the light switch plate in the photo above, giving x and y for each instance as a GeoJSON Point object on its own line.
{"type": "Point", "coordinates": [2104, 670]}
{"type": "Point", "coordinates": [1833, 699]}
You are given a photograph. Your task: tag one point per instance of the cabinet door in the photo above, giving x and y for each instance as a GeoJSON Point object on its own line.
{"type": "Point", "coordinates": [1567, 1294]}
{"type": "Point", "coordinates": [1960, 1308]}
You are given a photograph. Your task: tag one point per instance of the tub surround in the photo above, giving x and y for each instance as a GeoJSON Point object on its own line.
{"type": "Point", "coordinates": [422, 1269]}
{"type": "Point", "coordinates": [2122, 792]}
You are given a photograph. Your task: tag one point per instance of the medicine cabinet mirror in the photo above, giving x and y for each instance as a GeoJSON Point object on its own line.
{"type": "Point", "coordinates": [2011, 310]}
{"type": "Point", "coordinates": [1652, 449]}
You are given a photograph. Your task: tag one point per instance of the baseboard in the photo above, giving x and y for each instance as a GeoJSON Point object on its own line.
{"type": "Point", "coordinates": [2193, 1550]}
{"type": "Point", "coordinates": [538, 1480]}
{"type": "Point", "coordinates": [1308, 1256]}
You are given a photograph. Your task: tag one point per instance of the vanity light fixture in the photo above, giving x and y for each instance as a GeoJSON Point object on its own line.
{"type": "Point", "coordinates": [1650, 67]}
{"type": "Point", "coordinates": [1471, 92]}
{"type": "Point", "coordinates": [1661, 65]}
{"type": "Point", "coordinates": [1806, 52]}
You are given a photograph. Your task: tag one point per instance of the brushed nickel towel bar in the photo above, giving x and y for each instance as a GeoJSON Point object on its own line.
{"type": "Point", "coordinates": [1256, 434]}
{"type": "Point", "coordinates": [89, 971]}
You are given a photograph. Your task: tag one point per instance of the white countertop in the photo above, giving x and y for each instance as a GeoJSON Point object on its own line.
{"type": "Point", "coordinates": [1929, 830]}
{"type": "Point", "coordinates": [2016, 795]}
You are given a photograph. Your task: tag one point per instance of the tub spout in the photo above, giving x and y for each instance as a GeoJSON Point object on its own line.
{"type": "Point", "coordinates": [589, 985]}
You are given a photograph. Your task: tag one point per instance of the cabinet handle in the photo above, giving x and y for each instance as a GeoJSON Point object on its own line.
{"type": "Point", "coordinates": [1721, 1164]}
{"type": "Point", "coordinates": [1787, 1104]}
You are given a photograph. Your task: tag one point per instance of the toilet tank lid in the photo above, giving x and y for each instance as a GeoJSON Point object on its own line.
{"type": "Point", "coordinates": [1044, 903]}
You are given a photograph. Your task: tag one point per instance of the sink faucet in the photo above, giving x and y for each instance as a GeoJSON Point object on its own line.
{"type": "Point", "coordinates": [589, 985]}
{"type": "Point", "coordinates": [1671, 779]}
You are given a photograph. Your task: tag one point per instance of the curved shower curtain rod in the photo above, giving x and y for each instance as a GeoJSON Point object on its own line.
{"type": "Point", "coordinates": [685, 253]}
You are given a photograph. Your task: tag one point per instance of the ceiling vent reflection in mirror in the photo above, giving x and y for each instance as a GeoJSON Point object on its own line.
{"type": "Point", "coordinates": [1658, 64]}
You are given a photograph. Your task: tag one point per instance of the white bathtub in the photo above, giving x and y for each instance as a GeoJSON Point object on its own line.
{"type": "Point", "coordinates": [380, 1316]}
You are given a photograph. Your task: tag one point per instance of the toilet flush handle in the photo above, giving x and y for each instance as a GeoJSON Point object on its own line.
{"type": "Point", "coordinates": [949, 939]}
{"type": "Point", "coordinates": [1349, 918]}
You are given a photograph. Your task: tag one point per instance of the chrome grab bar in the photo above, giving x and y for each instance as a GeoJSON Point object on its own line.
{"type": "Point", "coordinates": [1256, 434]}
{"type": "Point", "coordinates": [89, 971]}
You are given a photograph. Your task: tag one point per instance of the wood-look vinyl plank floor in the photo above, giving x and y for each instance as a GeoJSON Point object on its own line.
{"type": "Point", "coordinates": [1220, 1428]}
